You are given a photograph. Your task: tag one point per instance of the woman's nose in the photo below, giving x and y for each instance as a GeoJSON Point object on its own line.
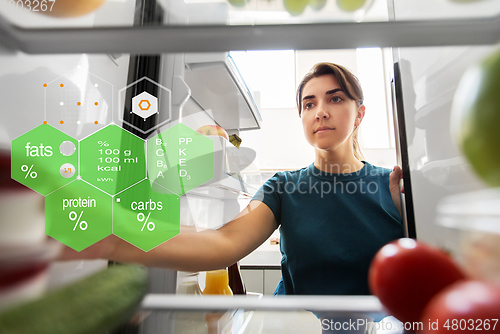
{"type": "Point", "coordinates": [322, 114]}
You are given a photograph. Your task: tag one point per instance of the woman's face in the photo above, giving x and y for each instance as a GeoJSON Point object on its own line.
{"type": "Point", "coordinates": [328, 114]}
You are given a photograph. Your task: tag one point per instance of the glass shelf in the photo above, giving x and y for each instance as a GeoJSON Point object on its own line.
{"type": "Point", "coordinates": [244, 314]}
{"type": "Point", "coordinates": [209, 26]}
{"type": "Point", "coordinates": [251, 12]}
{"type": "Point", "coordinates": [361, 304]}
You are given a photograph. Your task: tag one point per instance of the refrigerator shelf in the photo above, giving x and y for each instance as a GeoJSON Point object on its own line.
{"type": "Point", "coordinates": [473, 218]}
{"type": "Point", "coordinates": [364, 304]}
{"type": "Point", "coordinates": [195, 27]}
{"type": "Point", "coordinates": [163, 39]}
{"type": "Point", "coordinates": [471, 211]}
{"type": "Point", "coordinates": [114, 13]}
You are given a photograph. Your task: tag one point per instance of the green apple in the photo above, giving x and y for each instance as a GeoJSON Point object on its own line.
{"type": "Point", "coordinates": [350, 5]}
{"type": "Point", "coordinates": [295, 7]}
{"type": "Point", "coordinates": [475, 118]}
{"type": "Point", "coordinates": [317, 4]}
{"type": "Point", "coordinates": [238, 3]}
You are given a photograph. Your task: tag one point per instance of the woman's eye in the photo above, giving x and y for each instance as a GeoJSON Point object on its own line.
{"type": "Point", "coordinates": [308, 106]}
{"type": "Point", "coordinates": [336, 99]}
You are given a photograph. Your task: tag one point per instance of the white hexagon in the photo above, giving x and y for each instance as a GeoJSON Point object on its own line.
{"type": "Point", "coordinates": [144, 105]}
{"type": "Point", "coordinates": [163, 98]}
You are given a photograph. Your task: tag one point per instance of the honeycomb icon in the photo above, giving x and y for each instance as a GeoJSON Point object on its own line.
{"type": "Point", "coordinates": [144, 105]}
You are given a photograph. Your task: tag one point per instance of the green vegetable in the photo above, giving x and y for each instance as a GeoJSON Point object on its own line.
{"type": "Point", "coordinates": [93, 305]}
{"type": "Point", "coordinates": [350, 5]}
{"type": "Point", "coordinates": [238, 3]}
{"type": "Point", "coordinates": [475, 118]}
{"type": "Point", "coordinates": [317, 4]}
{"type": "Point", "coordinates": [295, 7]}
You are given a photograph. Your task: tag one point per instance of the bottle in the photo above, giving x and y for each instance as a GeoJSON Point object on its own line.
{"type": "Point", "coordinates": [189, 321]}
{"type": "Point", "coordinates": [217, 283]}
{"type": "Point", "coordinates": [187, 283]}
{"type": "Point", "coordinates": [235, 280]}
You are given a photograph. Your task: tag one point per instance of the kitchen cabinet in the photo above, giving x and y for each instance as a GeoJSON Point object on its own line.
{"type": "Point", "coordinates": [261, 279]}
{"type": "Point", "coordinates": [254, 280]}
{"type": "Point", "coordinates": [261, 269]}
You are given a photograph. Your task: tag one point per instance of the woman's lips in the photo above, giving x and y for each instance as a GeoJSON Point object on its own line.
{"type": "Point", "coordinates": [322, 130]}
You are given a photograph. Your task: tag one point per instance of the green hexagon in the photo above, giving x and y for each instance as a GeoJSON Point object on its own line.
{"type": "Point", "coordinates": [112, 159]}
{"type": "Point", "coordinates": [144, 217]}
{"type": "Point", "coordinates": [78, 215]}
{"type": "Point", "coordinates": [180, 159]}
{"type": "Point", "coordinates": [44, 159]}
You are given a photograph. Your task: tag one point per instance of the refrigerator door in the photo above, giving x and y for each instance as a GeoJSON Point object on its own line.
{"type": "Point", "coordinates": [425, 83]}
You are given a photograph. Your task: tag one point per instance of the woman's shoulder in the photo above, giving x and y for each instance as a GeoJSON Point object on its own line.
{"type": "Point", "coordinates": [377, 170]}
{"type": "Point", "coordinates": [292, 172]}
{"type": "Point", "coordinates": [288, 175]}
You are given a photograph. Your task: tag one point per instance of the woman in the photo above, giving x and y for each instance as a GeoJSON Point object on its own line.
{"type": "Point", "coordinates": [333, 215]}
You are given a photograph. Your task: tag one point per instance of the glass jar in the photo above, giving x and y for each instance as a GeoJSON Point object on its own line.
{"type": "Point", "coordinates": [187, 283]}
{"type": "Point", "coordinates": [189, 321]}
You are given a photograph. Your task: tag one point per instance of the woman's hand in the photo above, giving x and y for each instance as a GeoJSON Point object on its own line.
{"type": "Point", "coordinates": [394, 178]}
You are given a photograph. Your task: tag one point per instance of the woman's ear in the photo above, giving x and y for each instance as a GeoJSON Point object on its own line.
{"type": "Point", "coordinates": [360, 115]}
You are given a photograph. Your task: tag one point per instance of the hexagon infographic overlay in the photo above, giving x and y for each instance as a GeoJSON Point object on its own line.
{"type": "Point", "coordinates": [147, 97]}
{"type": "Point", "coordinates": [44, 159]}
{"type": "Point", "coordinates": [146, 218]}
{"type": "Point", "coordinates": [180, 159]}
{"type": "Point", "coordinates": [112, 159]}
{"type": "Point", "coordinates": [78, 215]}
{"type": "Point", "coordinates": [112, 182]}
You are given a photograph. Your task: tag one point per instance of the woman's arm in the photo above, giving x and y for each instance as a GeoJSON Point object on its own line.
{"type": "Point", "coordinates": [191, 250]}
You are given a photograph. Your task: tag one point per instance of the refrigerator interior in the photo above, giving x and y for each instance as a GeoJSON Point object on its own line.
{"type": "Point", "coordinates": [428, 78]}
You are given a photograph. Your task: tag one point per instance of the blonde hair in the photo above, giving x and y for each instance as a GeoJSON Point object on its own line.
{"type": "Point", "coordinates": [349, 84]}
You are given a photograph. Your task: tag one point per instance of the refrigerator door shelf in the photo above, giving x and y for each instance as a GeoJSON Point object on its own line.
{"type": "Point", "coordinates": [474, 219]}
{"type": "Point", "coordinates": [217, 85]}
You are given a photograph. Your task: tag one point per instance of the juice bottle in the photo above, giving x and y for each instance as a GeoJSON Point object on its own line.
{"type": "Point", "coordinates": [217, 283]}
{"type": "Point", "coordinates": [235, 281]}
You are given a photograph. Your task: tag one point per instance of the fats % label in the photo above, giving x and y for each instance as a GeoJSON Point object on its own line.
{"type": "Point", "coordinates": [29, 172]}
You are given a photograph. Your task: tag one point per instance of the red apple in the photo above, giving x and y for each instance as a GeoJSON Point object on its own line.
{"type": "Point", "coordinates": [467, 306]}
{"type": "Point", "coordinates": [405, 274]}
{"type": "Point", "coordinates": [213, 130]}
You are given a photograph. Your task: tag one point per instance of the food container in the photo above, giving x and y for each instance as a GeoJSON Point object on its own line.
{"type": "Point", "coordinates": [22, 219]}
{"type": "Point", "coordinates": [24, 271]}
{"type": "Point", "coordinates": [25, 250]}
{"type": "Point", "coordinates": [475, 219]}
